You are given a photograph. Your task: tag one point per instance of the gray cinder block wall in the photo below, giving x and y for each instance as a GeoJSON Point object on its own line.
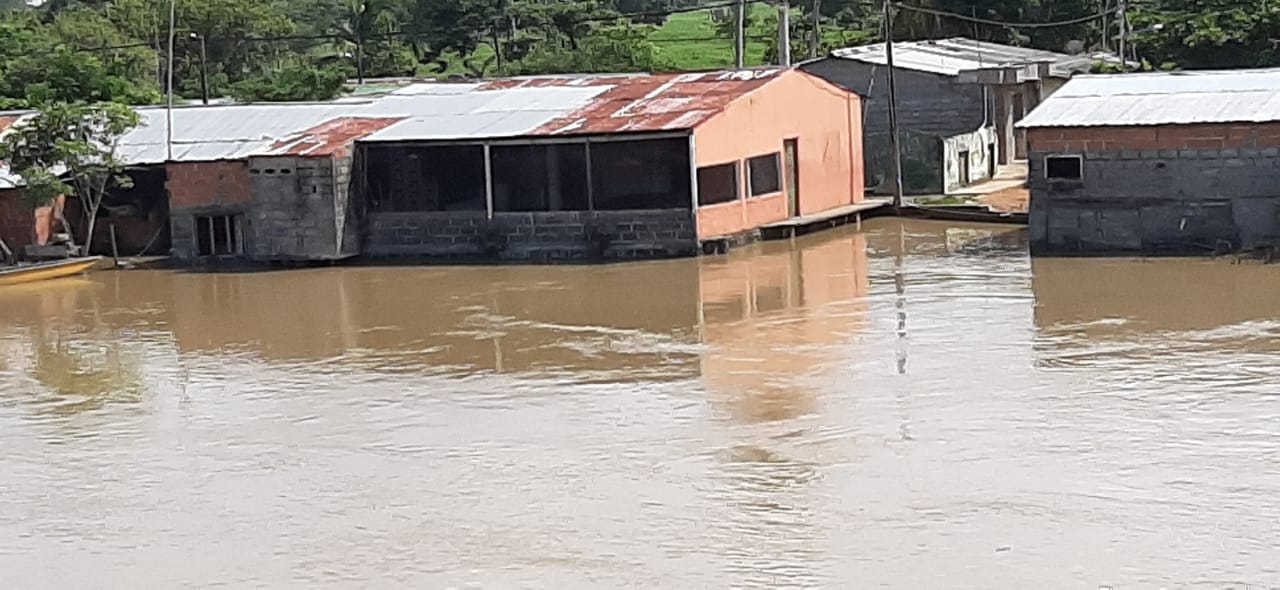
{"type": "Point", "coordinates": [537, 236]}
{"type": "Point", "coordinates": [1157, 201]}
{"type": "Point", "coordinates": [927, 103]}
{"type": "Point", "coordinates": [300, 209]}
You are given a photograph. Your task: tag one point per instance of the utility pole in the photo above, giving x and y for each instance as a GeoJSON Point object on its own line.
{"type": "Point", "coordinates": [357, 28]}
{"type": "Point", "coordinates": [1123, 20]}
{"type": "Point", "coordinates": [204, 68]}
{"type": "Point", "coordinates": [168, 111]}
{"type": "Point", "coordinates": [1106, 29]}
{"type": "Point", "coordinates": [893, 108]}
{"type": "Point", "coordinates": [784, 33]}
{"type": "Point", "coordinates": [740, 36]}
{"type": "Point", "coordinates": [815, 35]}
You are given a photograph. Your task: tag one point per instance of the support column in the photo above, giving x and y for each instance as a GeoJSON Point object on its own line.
{"type": "Point", "coordinates": [555, 194]}
{"type": "Point", "coordinates": [1020, 108]}
{"type": "Point", "coordinates": [591, 179]}
{"type": "Point", "coordinates": [1004, 123]}
{"type": "Point", "coordinates": [488, 180]}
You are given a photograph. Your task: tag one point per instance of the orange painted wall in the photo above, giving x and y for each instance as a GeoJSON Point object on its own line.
{"type": "Point", "coordinates": [825, 119]}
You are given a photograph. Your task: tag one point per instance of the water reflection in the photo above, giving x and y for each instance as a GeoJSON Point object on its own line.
{"type": "Point", "coordinates": [59, 339]}
{"type": "Point", "coordinates": [912, 405]}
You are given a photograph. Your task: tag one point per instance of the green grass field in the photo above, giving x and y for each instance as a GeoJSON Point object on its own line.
{"type": "Point", "coordinates": [693, 41]}
{"type": "Point", "coordinates": [688, 42]}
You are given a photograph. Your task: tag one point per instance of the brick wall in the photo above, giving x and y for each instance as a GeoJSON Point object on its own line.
{"type": "Point", "coordinates": [204, 184]}
{"type": "Point", "coordinates": [545, 236]}
{"type": "Point", "coordinates": [1150, 191]}
{"type": "Point", "coordinates": [17, 222]}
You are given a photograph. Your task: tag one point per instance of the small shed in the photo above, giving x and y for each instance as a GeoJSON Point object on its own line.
{"type": "Point", "coordinates": [1156, 163]}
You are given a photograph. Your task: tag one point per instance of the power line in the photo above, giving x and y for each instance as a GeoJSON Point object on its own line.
{"type": "Point", "coordinates": [1015, 25]}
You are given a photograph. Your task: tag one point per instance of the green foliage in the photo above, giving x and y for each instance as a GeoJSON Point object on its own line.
{"type": "Point", "coordinates": [37, 66]}
{"type": "Point", "coordinates": [70, 149]}
{"type": "Point", "coordinates": [117, 49]}
{"type": "Point", "coordinates": [290, 81]}
{"type": "Point", "coordinates": [619, 48]}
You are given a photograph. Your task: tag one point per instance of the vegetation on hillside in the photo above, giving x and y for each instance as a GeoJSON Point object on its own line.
{"type": "Point", "coordinates": [116, 50]}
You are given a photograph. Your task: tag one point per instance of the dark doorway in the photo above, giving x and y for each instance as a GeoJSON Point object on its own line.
{"type": "Point", "coordinates": [965, 179]}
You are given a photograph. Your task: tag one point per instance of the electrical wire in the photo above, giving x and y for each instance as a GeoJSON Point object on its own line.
{"type": "Point", "coordinates": [1014, 25]}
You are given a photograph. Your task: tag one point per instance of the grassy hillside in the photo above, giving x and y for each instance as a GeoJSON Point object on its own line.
{"type": "Point", "coordinates": [688, 42]}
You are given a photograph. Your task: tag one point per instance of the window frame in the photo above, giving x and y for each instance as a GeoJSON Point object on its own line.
{"type": "Point", "coordinates": [736, 165]}
{"type": "Point", "coordinates": [1079, 159]}
{"type": "Point", "coordinates": [232, 231]}
{"type": "Point", "coordinates": [777, 170]}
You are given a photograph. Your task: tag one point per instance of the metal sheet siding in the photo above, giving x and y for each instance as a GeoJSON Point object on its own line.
{"type": "Point", "coordinates": [1239, 96]}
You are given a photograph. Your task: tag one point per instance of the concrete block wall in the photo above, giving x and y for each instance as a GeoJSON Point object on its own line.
{"type": "Point", "coordinates": [927, 103]}
{"type": "Point", "coordinates": [1160, 190]}
{"type": "Point", "coordinates": [299, 209]}
{"type": "Point", "coordinates": [533, 237]}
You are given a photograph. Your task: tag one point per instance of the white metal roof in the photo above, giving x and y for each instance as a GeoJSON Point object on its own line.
{"type": "Point", "coordinates": [949, 57]}
{"type": "Point", "coordinates": [1245, 96]}
{"type": "Point", "coordinates": [220, 132]}
{"type": "Point", "coordinates": [437, 114]}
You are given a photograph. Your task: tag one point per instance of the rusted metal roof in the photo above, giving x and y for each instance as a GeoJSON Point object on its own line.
{"type": "Point", "coordinates": [1163, 98]}
{"type": "Point", "coordinates": [332, 137]}
{"type": "Point", "coordinates": [644, 102]}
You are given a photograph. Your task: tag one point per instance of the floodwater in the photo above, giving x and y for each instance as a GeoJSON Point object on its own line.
{"type": "Point", "coordinates": [913, 405]}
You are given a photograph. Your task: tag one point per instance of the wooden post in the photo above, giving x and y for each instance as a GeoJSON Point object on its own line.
{"type": "Point", "coordinates": [115, 250]}
{"type": "Point", "coordinates": [6, 253]}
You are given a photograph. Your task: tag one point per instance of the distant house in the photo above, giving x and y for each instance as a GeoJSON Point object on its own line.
{"type": "Point", "coordinates": [1174, 163]}
{"type": "Point", "coordinates": [958, 100]}
{"type": "Point", "coordinates": [536, 168]}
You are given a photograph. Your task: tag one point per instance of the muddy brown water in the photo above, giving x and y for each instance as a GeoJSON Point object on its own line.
{"type": "Point", "coordinates": [914, 405]}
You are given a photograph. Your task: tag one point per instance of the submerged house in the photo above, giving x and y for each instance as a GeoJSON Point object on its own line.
{"type": "Point", "coordinates": [1173, 163]}
{"type": "Point", "coordinates": [537, 168]}
{"type": "Point", "coordinates": [958, 100]}
{"type": "Point", "coordinates": [606, 166]}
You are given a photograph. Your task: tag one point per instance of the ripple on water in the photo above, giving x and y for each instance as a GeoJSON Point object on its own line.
{"type": "Point", "coordinates": [913, 405]}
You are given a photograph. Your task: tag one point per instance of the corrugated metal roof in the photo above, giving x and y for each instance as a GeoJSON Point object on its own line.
{"type": "Point", "coordinates": [504, 108]}
{"type": "Point", "coordinates": [949, 57]}
{"type": "Point", "coordinates": [1230, 96]}
{"type": "Point", "coordinates": [331, 137]}
{"type": "Point", "coordinates": [564, 105]}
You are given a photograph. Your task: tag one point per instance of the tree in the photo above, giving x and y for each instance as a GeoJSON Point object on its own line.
{"type": "Point", "coordinates": [440, 27]}
{"type": "Point", "coordinates": [292, 80]}
{"type": "Point", "coordinates": [70, 149]}
{"type": "Point", "coordinates": [619, 48]}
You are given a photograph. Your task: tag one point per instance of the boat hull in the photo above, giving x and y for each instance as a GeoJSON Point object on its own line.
{"type": "Point", "coordinates": [44, 271]}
